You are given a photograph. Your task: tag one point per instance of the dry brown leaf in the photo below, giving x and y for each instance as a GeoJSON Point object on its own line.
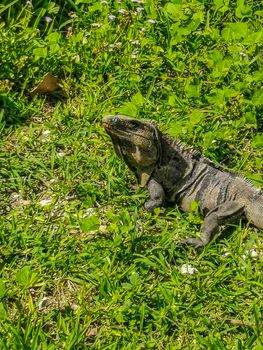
{"type": "Point", "coordinates": [92, 331]}
{"type": "Point", "coordinates": [103, 228]}
{"type": "Point", "coordinates": [49, 83]}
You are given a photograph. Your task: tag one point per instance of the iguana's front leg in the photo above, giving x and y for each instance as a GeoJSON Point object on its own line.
{"type": "Point", "coordinates": [157, 195]}
{"type": "Point", "coordinates": [225, 213]}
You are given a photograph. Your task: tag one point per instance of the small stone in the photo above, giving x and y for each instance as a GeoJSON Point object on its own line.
{"type": "Point", "coordinates": [42, 303]}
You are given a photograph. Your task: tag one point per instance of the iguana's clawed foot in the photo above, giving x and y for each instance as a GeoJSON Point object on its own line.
{"type": "Point", "coordinates": [196, 243]}
{"type": "Point", "coordinates": [150, 205]}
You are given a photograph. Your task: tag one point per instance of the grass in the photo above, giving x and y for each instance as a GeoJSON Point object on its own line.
{"type": "Point", "coordinates": [83, 266]}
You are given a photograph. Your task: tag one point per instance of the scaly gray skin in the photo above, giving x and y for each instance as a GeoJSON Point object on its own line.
{"type": "Point", "coordinates": [174, 173]}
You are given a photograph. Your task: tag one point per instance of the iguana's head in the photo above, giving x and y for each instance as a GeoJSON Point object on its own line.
{"type": "Point", "coordinates": [136, 141]}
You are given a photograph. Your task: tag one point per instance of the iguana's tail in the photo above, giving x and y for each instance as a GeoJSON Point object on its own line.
{"type": "Point", "coordinates": [254, 211]}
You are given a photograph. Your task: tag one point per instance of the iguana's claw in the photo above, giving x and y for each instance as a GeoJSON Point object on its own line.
{"type": "Point", "coordinates": [149, 206]}
{"type": "Point", "coordinates": [194, 242]}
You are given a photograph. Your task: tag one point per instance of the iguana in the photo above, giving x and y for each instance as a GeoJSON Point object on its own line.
{"type": "Point", "coordinates": [174, 173]}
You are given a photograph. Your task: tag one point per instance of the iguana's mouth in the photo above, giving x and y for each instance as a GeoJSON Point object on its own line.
{"type": "Point", "coordinates": [115, 125]}
{"type": "Point", "coordinates": [116, 132]}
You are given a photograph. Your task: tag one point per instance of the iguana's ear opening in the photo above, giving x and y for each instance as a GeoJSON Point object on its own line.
{"type": "Point", "coordinates": [144, 174]}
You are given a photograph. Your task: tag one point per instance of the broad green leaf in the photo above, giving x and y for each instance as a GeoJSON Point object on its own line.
{"type": "Point", "coordinates": [128, 108]}
{"type": "Point", "coordinates": [119, 317]}
{"type": "Point", "coordinates": [174, 11]}
{"type": "Point", "coordinates": [192, 90]}
{"type": "Point", "coordinates": [216, 97]}
{"type": "Point", "coordinates": [52, 8]}
{"type": "Point", "coordinates": [90, 223]}
{"type": "Point", "coordinates": [135, 279]}
{"type": "Point", "coordinates": [134, 78]}
{"type": "Point", "coordinates": [137, 99]}
{"type": "Point", "coordinates": [257, 141]}
{"type": "Point", "coordinates": [53, 48]}
{"type": "Point", "coordinates": [53, 37]}
{"type": "Point", "coordinates": [196, 117]}
{"type": "Point", "coordinates": [244, 11]}
{"type": "Point", "coordinates": [252, 39]}
{"type": "Point", "coordinates": [250, 118]}
{"type": "Point", "coordinates": [23, 276]}
{"type": "Point", "coordinates": [40, 52]}
{"type": "Point", "coordinates": [220, 3]}
{"type": "Point", "coordinates": [257, 99]}
{"type": "Point", "coordinates": [235, 31]}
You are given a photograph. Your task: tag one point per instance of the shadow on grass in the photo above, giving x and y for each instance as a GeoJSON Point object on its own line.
{"type": "Point", "coordinates": [16, 110]}
{"type": "Point", "coordinates": [13, 110]}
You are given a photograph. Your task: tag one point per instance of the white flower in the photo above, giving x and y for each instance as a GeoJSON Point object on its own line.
{"type": "Point", "coordinates": [104, 2]}
{"type": "Point", "coordinates": [111, 17]}
{"type": "Point", "coordinates": [139, 9]}
{"type": "Point", "coordinates": [118, 44]}
{"type": "Point", "coordinates": [133, 56]}
{"type": "Point", "coordinates": [48, 19]}
{"type": "Point", "coordinates": [61, 154]}
{"type": "Point", "coordinates": [72, 14]}
{"type": "Point", "coordinates": [224, 255]}
{"type": "Point", "coordinates": [152, 21]}
{"type": "Point", "coordinates": [138, 1]}
{"type": "Point", "coordinates": [253, 253]}
{"type": "Point", "coordinates": [96, 25]}
{"type": "Point", "coordinates": [242, 54]}
{"type": "Point", "coordinates": [29, 3]}
{"type": "Point", "coordinates": [88, 212]}
{"type": "Point", "coordinates": [122, 11]}
{"type": "Point", "coordinates": [69, 32]}
{"type": "Point", "coordinates": [135, 42]}
{"type": "Point", "coordinates": [111, 46]}
{"type": "Point", "coordinates": [143, 30]}
{"type": "Point", "coordinates": [187, 269]}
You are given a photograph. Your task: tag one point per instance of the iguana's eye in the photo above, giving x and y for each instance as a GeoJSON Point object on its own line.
{"type": "Point", "coordinates": [134, 124]}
